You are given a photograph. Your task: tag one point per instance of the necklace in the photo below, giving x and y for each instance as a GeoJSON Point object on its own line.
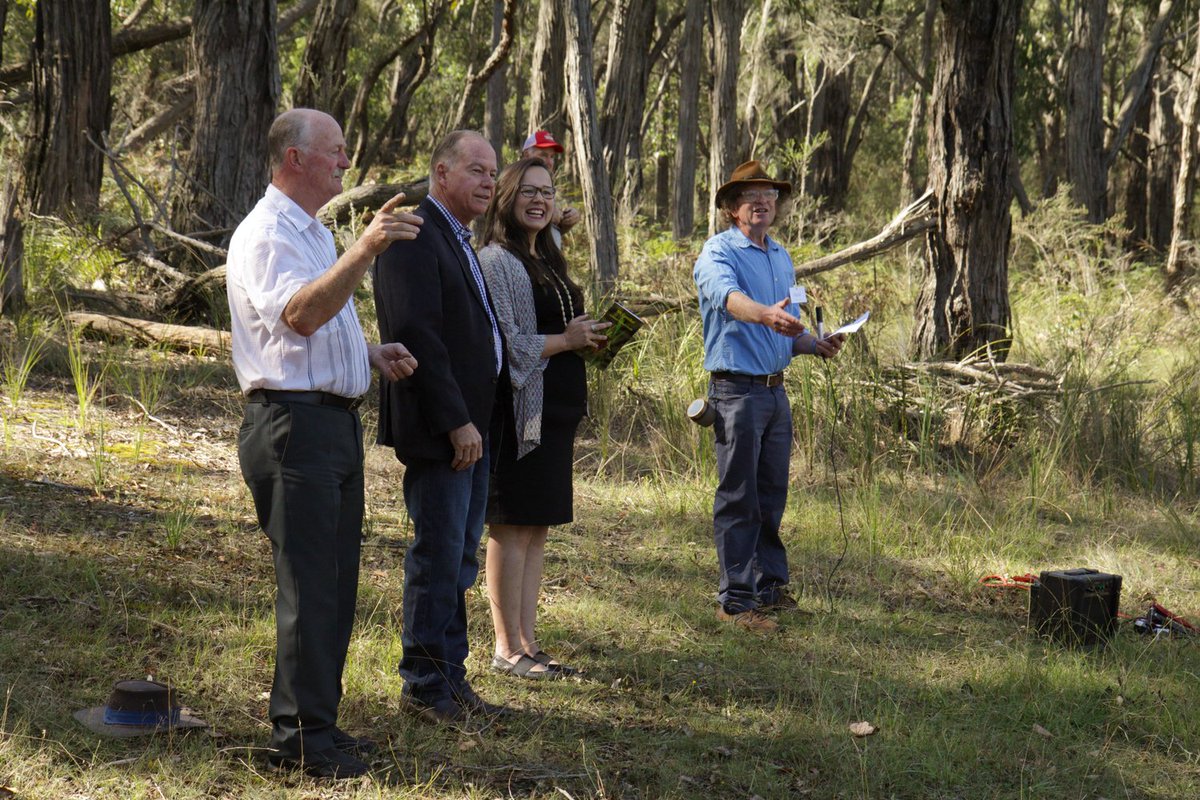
{"type": "Point", "coordinates": [558, 282]}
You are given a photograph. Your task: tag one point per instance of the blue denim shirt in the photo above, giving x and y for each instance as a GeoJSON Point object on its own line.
{"type": "Point", "coordinates": [731, 262]}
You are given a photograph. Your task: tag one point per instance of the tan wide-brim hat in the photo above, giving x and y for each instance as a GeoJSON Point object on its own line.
{"type": "Point", "coordinates": [138, 708]}
{"type": "Point", "coordinates": [750, 172]}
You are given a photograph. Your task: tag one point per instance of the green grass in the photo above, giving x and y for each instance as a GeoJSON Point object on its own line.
{"type": "Point", "coordinates": [128, 547]}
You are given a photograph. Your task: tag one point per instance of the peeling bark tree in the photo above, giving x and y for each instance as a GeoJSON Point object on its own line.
{"type": "Point", "coordinates": [237, 89]}
{"type": "Point", "coordinates": [963, 303]}
{"type": "Point", "coordinates": [322, 80]}
{"type": "Point", "coordinates": [547, 89]}
{"type": "Point", "coordinates": [683, 212]}
{"type": "Point", "coordinates": [723, 152]}
{"type": "Point", "coordinates": [581, 107]}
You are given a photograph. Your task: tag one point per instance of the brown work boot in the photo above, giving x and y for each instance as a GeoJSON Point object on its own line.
{"type": "Point", "coordinates": [752, 620]}
{"type": "Point", "coordinates": [783, 601]}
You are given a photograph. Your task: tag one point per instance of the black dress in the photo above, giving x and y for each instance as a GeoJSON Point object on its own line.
{"type": "Point", "coordinates": [536, 489]}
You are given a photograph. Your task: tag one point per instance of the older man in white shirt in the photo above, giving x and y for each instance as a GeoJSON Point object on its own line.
{"type": "Point", "coordinates": [303, 363]}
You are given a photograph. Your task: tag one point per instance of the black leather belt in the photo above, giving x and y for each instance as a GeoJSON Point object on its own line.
{"type": "Point", "coordinates": [766, 380]}
{"type": "Point", "coordinates": [312, 398]}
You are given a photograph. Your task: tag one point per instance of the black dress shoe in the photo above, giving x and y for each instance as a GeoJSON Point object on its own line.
{"type": "Point", "coordinates": [354, 745]}
{"type": "Point", "coordinates": [328, 763]}
{"type": "Point", "coordinates": [445, 710]}
{"type": "Point", "coordinates": [472, 703]}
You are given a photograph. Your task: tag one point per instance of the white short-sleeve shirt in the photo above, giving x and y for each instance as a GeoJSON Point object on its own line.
{"type": "Point", "coordinates": [277, 249]}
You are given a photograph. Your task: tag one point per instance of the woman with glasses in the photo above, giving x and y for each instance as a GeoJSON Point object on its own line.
{"type": "Point", "coordinates": [540, 311]}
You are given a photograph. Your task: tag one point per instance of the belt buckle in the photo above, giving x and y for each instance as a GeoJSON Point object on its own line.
{"type": "Point", "coordinates": [774, 380]}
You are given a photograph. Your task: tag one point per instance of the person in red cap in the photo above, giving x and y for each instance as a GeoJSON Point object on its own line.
{"type": "Point", "coordinates": [540, 144]}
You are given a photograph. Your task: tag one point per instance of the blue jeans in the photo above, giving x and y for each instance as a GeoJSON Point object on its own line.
{"type": "Point", "coordinates": [754, 444]}
{"type": "Point", "coordinates": [447, 509]}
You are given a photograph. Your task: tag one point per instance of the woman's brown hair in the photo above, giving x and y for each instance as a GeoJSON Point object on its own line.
{"type": "Point", "coordinates": [500, 226]}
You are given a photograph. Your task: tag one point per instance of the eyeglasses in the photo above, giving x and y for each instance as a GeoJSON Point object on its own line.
{"type": "Point", "coordinates": [530, 192]}
{"type": "Point", "coordinates": [758, 194]}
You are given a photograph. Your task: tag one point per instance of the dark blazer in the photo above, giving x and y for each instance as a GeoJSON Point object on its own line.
{"type": "Point", "coordinates": [426, 298]}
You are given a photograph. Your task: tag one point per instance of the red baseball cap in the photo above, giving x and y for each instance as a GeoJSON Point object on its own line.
{"type": "Point", "coordinates": [542, 139]}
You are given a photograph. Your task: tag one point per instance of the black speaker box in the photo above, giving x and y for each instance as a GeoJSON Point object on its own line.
{"type": "Point", "coordinates": [1077, 607]}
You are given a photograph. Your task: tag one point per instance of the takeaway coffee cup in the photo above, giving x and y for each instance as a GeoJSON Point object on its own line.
{"type": "Point", "coordinates": [701, 413]}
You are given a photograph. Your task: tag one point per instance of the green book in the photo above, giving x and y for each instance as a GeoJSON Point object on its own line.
{"type": "Point", "coordinates": [625, 324]}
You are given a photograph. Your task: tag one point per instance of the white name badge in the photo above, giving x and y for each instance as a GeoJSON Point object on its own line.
{"type": "Point", "coordinates": [798, 295]}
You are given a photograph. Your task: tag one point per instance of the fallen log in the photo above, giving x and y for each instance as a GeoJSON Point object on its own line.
{"type": "Point", "coordinates": [177, 337]}
{"type": "Point", "coordinates": [337, 212]}
{"type": "Point", "coordinates": [918, 217]}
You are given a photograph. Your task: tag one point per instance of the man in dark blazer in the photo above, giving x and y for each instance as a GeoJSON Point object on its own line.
{"type": "Point", "coordinates": [430, 294]}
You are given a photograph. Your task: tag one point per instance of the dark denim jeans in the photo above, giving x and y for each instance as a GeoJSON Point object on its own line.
{"type": "Point", "coordinates": [754, 444]}
{"type": "Point", "coordinates": [447, 509]}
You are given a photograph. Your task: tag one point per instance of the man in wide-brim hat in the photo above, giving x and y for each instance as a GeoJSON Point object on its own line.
{"type": "Point", "coordinates": [751, 333]}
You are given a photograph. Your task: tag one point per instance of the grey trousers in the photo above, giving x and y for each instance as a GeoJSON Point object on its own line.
{"type": "Point", "coordinates": [303, 465]}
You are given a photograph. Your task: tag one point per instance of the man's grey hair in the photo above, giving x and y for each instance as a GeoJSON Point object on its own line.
{"type": "Point", "coordinates": [290, 129]}
{"type": "Point", "coordinates": [448, 150]}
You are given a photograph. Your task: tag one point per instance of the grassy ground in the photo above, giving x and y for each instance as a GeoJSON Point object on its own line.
{"type": "Point", "coordinates": [128, 548]}
{"type": "Point", "coordinates": [145, 560]}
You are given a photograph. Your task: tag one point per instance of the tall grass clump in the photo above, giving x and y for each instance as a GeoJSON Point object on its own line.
{"type": "Point", "coordinates": [20, 353]}
{"type": "Point", "coordinates": [87, 377]}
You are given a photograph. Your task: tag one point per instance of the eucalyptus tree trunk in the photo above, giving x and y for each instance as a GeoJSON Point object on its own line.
{"type": "Point", "coordinates": [1138, 182]}
{"type": "Point", "coordinates": [625, 83]}
{"type": "Point", "coordinates": [72, 79]}
{"type": "Point", "coordinates": [477, 79]}
{"type": "Point", "coordinates": [1185, 181]}
{"type": "Point", "coordinates": [593, 178]}
{"type": "Point", "coordinates": [758, 52]}
{"type": "Point", "coordinates": [1085, 153]}
{"type": "Point", "coordinates": [723, 149]}
{"type": "Point", "coordinates": [1164, 163]}
{"type": "Point", "coordinates": [496, 90]}
{"type": "Point", "coordinates": [12, 251]}
{"type": "Point", "coordinates": [963, 304]}
{"type": "Point", "coordinates": [237, 88]}
{"type": "Point", "coordinates": [321, 82]}
{"type": "Point", "coordinates": [829, 114]}
{"type": "Point", "coordinates": [547, 89]}
{"type": "Point", "coordinates": [911, 185]}
{"type": "Point", "coordinates": [417, 50]}
{"type": "Point", "coordinates": [62, 164]}
{"type": "Point", "coordinates": [3, 26]}
{"type": "Point", "coordinates": [683, 207]}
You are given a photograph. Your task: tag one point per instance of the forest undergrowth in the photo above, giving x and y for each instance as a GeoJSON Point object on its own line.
{"type": "Point", "coordinates": [128, 548]}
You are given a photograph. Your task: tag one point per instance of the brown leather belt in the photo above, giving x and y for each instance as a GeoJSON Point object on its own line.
{"type": "Point", "coordinates": [312, 398]}
{"type": "Point", "coordinates": [775, 379]}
